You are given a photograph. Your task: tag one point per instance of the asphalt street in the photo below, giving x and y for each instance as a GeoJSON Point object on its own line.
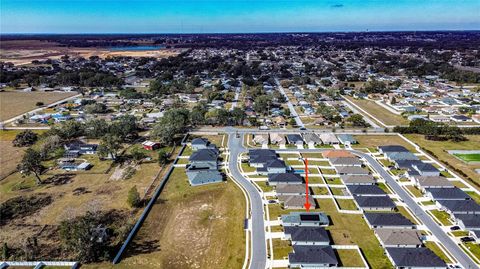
{"type": "Point", "coordinates": [258, 257]}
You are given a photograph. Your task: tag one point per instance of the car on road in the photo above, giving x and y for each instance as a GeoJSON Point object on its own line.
{"type": "Point", "coordinates": [454, 228]}
{"type": "Point", "coordinates": [303, 128]}
{"type": "Point", "coordinates": [264, 127]}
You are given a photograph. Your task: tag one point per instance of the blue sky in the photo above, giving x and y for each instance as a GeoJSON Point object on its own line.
{"type": "Point", "coordinates": [211, 16]}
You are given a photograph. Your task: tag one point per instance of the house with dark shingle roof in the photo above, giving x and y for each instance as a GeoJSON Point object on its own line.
{"type": "Point", "coordinates": [366, 190]}
{"type": "Point", "coordinates": [400, 156]}
{"type": "Point", "coordinates": [273, 166]}
{"type": "Point", "coordinates": [374, 203]}
{"type": "Point", "coordinates": [388, 220]}
{"type": "Point", "coordinates": [203, 165]}
{"type": "Point", "coordinates": [290, 189]}
{"type": "Point", "coordinates": [414, 258]}
{"type": "Point", "coordinates": [432, 182]}
{"type": "Point", "coordinates": [312, 139]}
{"type": "Point", "coordinates": [392, 148]}
{"type": "Point", "coordinates": [351, 170]}
{"type": "Point", "coordinates": [259, 157]}
{"type": "Point", "coordinates": [312, 256]}
{"type": "Point", "coordinates": [426, 169]}
{"type": "Point", "coordinates": [459, 206]}
{"type": "Point", "coordinates": [447, 194]}
{"type": "Point", "coordinates": [469, 222]}
{"type": "Point", "coordinates": [286, 178]}
{"type": "Point", "coordinates": [295, 139]}
{"type": "Point", "coordinates": [346, 161]}
{"type": "Point", "coordinates": [307, 235]}
{"type": "Point", "coordinates": [201, 143]}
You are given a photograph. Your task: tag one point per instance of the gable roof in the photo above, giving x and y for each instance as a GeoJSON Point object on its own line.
{"type": "Point", "coordinates": [398, 236]}
{"type": "Point", "coordinates": [436, 181]}
{"type": "Point", "coordinates": [346, 138]}
{"type": "Point", "coordinates": [345, 161]}
{"type": "Point", "coordinates": [387, 219]}
{"type": "Point", "coordinates": [203, 155]}
{"type": "Point", "coordinates": [275, 163]}
{"type": "Point", "coordinates": [415, 257]}
{"type": "Point", "coordinates": [285, 177]}
{"type": "Point", "coordinates": [290, 188]}
{"type": "Point", "coordinates": [352, 179]}
{"type": "Point", "coordinates": [460, 205]}
{"type": "Point", "coordinates": [206, 176]}
{"type": "Point", "coordinates": [294, 138]}
{"type": "Point", "coordinates": [313, 255]}
{"type": "Point", "coordinates": [200, 141]}
{"type": "Point", "coordinates": [328, 138]}
{"type": "Point", "coordinates": [311, 137]}
{"type": "Point", "coordinates": [393, 148]}
{"type": "Point", "coordinates": [448, 193]}
{"type": "Point", "coordinates": [295, 200]}
{"type": "Point", "coordinates": [470, 221]}
{"type": "Point", "coordinates": [352, 170]}
{"type": "Point", "coordinates": [365, 190]}
{"type": "Point", "coordinates": [374, 201]}
{"type": "Point", "coordinates": [307, 234]}
{"type": "Point", "coordinates": [424, 167]}
{"type": "Point", "coordinates": [305, 217]}
{"type": "Point", "coordinates": [401, 156]}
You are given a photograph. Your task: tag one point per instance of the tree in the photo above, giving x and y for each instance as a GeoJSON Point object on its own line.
{"type": "Point", "coordinates": [137, 154]}
{"type": "Point", "coordinates": [109, 146]}
{"type": "Point", "coordinates": [25, 138]}
{"type": "Point", "coordinates": [358, 121]}
{"type": "Point", "coordinates": [31, 163]}
{"type": "Point", "coordinates": [97, 108]}
{"type": "Point", "coordinates": [133, 198]}
{"type": "Point", "coordinates": [50, 145]}
{"type": "Point", "coordinates": [262, 104]}
{"type": "Point", "coordinates": [5, 251]}
{"type": "Point", "coordinates": [124, 127]}
{"type": "Point", "coordinates": [163, 157]}
{"type": "Point", "coordinates": [173, 123]}
{"type": "Point", "coordinates": [238, 115]}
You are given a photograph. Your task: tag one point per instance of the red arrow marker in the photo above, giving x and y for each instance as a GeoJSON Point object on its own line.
{"type": "Point", "coordinates": [307, 204]}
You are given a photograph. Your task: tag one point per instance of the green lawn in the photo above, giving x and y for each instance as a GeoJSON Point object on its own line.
{"type": "Point", "coordinates": [281, 248]}
{"type": "Point", "coordinates": [338, 191]}
{"type": "Point", "coordinates": [474, 157]}
{"type": "Point", "coordinates": [263, 185]}
{"type": "Point", "coordinates": [349, 258]}
{"type": "Point", "coordinates": [474, 196]}
{"type": "Point", "coordinates": [319, 190]}
{"type": "Point", "coordinates": [415, 191]}
{"type": "Point", "coordinates": [346, 204]}
{"type": "Point", "coordinates": [247, 168]}
{"type": "Point", "coordinates": [474, 248]}
{"type": "Point", "coordinates": [334, 181]}
{"type": "Point", "coordinates": [437, 250]}
{"type": "Point", "coordinates": [442, 216]}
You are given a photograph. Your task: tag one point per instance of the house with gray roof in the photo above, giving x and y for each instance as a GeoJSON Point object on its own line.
{"type": "Point", "coordinates": [414, 258]}
{"type": "Point", "coordinates": [295, 201]}
{"type": "Point", "coordinates": [295, 139]}
{"type": "Point", "coordinates": [346, 139]}
{"type": "Point", "coordinates": [312, 257]}
{"type": "Point", "coordinates": [284, 178]}
{"type": "Point", "coordinates": [398, 156]}
{"type": "Point", "coordinates": [366, 190]}
{"type": "Point", "coordinates": [358, 179]}
{"type": "Point", "coordinates": [459, 206]}
{"type": "Point", "coordinates": [388, 221]}
{"type": "Point", "coordinates": [392, 148]}
{"type": "Point", "coordinates": [290, 189]}
{"type": "Point", "coordinates": [311, 139]}
{"type": "Point", "coordinates": [399, 238]}
{"type": "Point", "coordinates": [201, 143]}
{"type": "Point", "coordinates": [198, 178]}
{"type": "Point", "coordinates": [426, 169]}
{"type": "Point", "coordinates": [307, 219]}
{"type": "Point", "coordinates": [345, 161]}
{"type": "Point", "coordinates": [351, 170]}
{"type": "Point", "coordinates": [446, 194]}
{"type": "Point", "coordinates": [374, 203]}
{"type": "Point", "coordinates": [307, 235]}
{"type": "Point", "coordinates": [329, 138]}
{"type": "Point", "coordinates": [273, 166]}
{"type": "Point", "coordinates": [423, 182]}
{"type": "Point", "coordinates": [469, 222]}
{"type": "Point", "coordinates": [203, 164]}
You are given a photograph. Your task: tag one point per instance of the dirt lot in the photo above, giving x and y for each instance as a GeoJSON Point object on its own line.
{"type": "Point", "coordinates": [16, 103]}
{"type": "Point", "coordinates": [191, 227]}
{"type": "Point", "coordinates": [382, 114]}
{"type": "Point", "coordinates": [22, 52]}
{"type": "Point", "coordinates": [372, 141]}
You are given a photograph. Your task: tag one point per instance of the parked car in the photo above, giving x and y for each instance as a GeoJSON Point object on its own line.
{"type": "Point", "coordinates": [454, 228]}
{"type": "Point", "coordinates": [467, 239]}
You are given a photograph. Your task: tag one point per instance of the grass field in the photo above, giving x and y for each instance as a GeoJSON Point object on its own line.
{"type": "Point", "coordinates": [474, 157]}
{"type": "Point", "coordinates": [442, 216]}
{"type": "Point", "coordinates": [437, 250]}
{"type": "Point", "coordinates": [440, 149]}
{"type": "Point", "coordinates": [15, 103]}
{"type": "Point", "coordinates": [191, 227]}
{"type": "Point", "coordinates": [383, 115]}
{"type": "Point", "coordinates": [372, 141]}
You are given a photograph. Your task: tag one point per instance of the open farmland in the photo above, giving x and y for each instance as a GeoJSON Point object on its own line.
{"type": "Point", "coordinates": [191, 227]}
{"type": "Point", "coordinates": [16, 103]}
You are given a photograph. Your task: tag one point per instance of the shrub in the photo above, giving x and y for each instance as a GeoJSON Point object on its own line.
{"type": "Point", "coordinates": [133, 198]}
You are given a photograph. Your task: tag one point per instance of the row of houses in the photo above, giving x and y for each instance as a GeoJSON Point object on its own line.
{"type": "Point", "coordinates": [310, 139]}
{"type": "Point", "coordinates": [462, 209]}
{"type": "Point", "coordinates": [310, 241]}
{"type": "Point", "coordinates": [203, 163]}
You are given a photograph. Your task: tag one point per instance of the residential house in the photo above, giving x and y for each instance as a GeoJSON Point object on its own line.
{"type": "Point", "coordinates": [273, 166]}
{"type": "Point", "coordinates": [312, 257]}
{"type": "Point", "coordinates": [459, 206]}
{"type": "Point", "coordinates": [295, 139]}
{"type": "Point", "coordinates": [388, 221]}
{"type": "Point", "coordinates": [399, 238]}
{"type": "Point", "coordinates": [312, 236]}
{"type": "Point", "coordinates": [468, 222]}
{"type": "Point", "coordinates": [311, 139]}
{"type": "Point", "coordinates": [358, 179]}
{"type": "Point", "coordinates": [337, 154]}
{"type": "Point", "coordinates": [414, 258]}
{"type": "Point", "coordinates": [345, 161]}
{"type": "Point", "coordinates": [203, 167]}
{"type": "Point", "coordinates": [295, 201]}
{"type": "Point", "coordinates": [425, 169]}
{"type": "Point", "coordinates": [329, 138]}
{"type": "Point", "coordinates": [260, 139]}
{"type": "Point", "coordinates": [423, 182]}
{"type": "Point", "coordinates": [392, 148]}
{"type": "Point", "coordinates": [305, 219]}
{"type": "Point", "coordinates": [366, 190]}
{"type": "Point", "coordinates": [346, 139]}
{"type": "Point", "coordinates": [201, 143]}
{"type": "Point", "coordinates": [290, 189]}
{"type": "Point", "coordinates": [284, 178]}
{"type": "Point", "coordinates": [277, 139]}
{"type": "Point", "coordinates": [351, 170]}
{"type": "Point", "coordinates": [447, 194]}
{"type": "Point", "coordinates": [374, 203]}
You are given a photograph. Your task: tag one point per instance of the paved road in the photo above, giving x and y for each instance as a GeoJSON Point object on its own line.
{"type": "Point", "coordinates": [284, 131]}
{"type": "Point", "coordinates": [293, 113]}
{"type": "Point", "coordinates": [452, 247]}
{"type": "Point", "coordinates": [258, 259]}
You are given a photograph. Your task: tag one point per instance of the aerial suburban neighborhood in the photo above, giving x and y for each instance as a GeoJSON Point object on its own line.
{"type": "Point", "coordinates": [271, 149]}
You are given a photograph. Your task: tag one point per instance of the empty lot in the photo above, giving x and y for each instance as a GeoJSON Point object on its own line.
{"type": "Point", "coordinates": [16, 103]}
